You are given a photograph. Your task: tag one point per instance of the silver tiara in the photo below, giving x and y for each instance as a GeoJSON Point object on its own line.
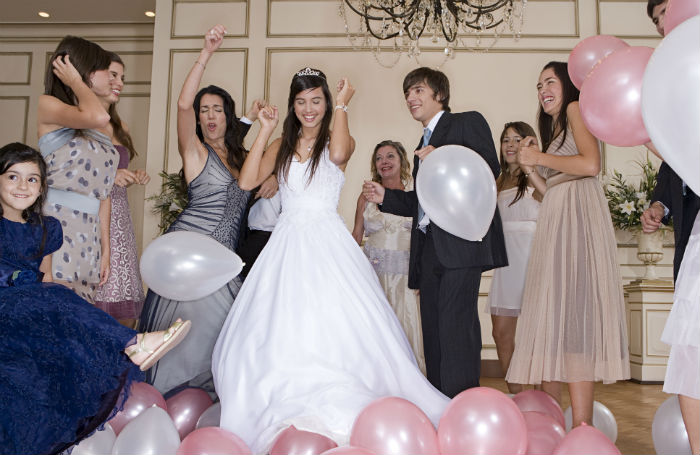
{"type": "Point", "coordinates": [308, 72]}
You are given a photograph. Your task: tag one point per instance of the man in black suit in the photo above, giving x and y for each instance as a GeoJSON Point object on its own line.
{"type": "Point", "coordinates": [445, 268]}
{"type": "Point", "coordinates": [671, 198]}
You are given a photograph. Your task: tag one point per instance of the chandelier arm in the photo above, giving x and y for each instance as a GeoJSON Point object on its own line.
{"type": "Point", "coordinates": [365, 11]}
{"type": "Point", "coordinates": [479, 5]}
{"type": "Point", "coordinates": [420, 32]}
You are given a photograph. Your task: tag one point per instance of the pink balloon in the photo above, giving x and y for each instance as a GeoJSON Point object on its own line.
{"type": "Point", "coordinates": [678, 11]}
{"type": "Point", "coordinates": [611, 97]}
{"type": "Point", "coordinates": [348, 450]}
{"type": "Point", "coordinates": [212, 440]}
{"type": "Point", "coordinates": [392, 425]}
{"type": "Point", "coordinates": [543, 433]}
{"type": "Point", "coordinates": [297, 442]}
{"type": "Point", "coordinates": [141, 396]}
{"type": "Point", "coordinates": [537, 400]}
{"type": "Point", "coordinates": [185, 407]}
{"type": "Point", "coordinates": [588, 53]}
{"type": "Point", "coordinates": [482, 421]}
{"type": "Point", "coordinates": [585, 440]}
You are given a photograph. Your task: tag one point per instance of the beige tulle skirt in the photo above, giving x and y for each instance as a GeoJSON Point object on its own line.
{"type": "Point", "coordinates": [572, 326]}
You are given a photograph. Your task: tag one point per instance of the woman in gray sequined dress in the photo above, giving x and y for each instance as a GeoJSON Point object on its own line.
{"type": "Point", "coordinates": [210, 144]}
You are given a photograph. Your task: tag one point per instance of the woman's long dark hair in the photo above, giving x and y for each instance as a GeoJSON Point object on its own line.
{"type": "Point", "coordinates": [545, 122]}
{"type": "Point", "coordinates": [118, 130]}
{"type": "Point", "coordinates": [306, 79]}
{"type": "Point", "coordinates": [86, 56]}
{"type": "Point", "coordinates": [15, 153]}
{"type": "Point", "coordinates": [523, 130]}
{"type": "Point", "coordinates": [235, 152]}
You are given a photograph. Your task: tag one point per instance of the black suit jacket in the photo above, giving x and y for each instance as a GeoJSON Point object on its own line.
{"type": "Point", "coordinates": [470, 130]}
{"type": "Point", "coordinates": [682, 208]}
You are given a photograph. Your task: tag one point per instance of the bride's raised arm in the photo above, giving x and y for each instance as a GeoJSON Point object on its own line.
{"type": "Point", "coordinates": [260, 163]}
{"type": "Point", "coordinates": [341, 144]}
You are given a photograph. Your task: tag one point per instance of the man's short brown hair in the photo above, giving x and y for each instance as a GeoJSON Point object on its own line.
{"type": "Point", "coordinates": [435, 79]}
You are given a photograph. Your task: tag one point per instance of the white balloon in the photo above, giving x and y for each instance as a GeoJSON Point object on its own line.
{"type": "Point", "coordinates": [603, 420]}
{"type": "Point", "coordinates": [151, 433]}
{"type": "Point", "coordinates": [184, 265]}
{"type": "Point", "coordinates": [211, 417]}
{"type": "Point", "coordinates": [100, 443]}
{"type": "Point", "coordinates": [668, 430]}
{"type": "Point", "coordinates": [457, 190]}
{"type": "Point", "coordinates": [670, 94]}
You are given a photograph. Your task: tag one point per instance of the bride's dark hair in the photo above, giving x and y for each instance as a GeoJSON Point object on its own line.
{"type": "Point", "coordinates": [305, 79]}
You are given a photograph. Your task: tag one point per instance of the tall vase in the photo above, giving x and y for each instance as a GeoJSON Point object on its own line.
{"type": "Point", "coordinates": [650, 250]}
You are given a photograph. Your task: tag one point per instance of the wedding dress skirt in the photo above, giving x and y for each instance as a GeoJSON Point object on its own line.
{"type": "Point", "coordinates": [311, 339]}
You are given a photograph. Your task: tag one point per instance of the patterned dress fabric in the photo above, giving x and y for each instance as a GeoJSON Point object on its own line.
{"type": "Point", "coordinates": [572, 326]}
{"type": "Point", "coordinates": [122, 296]}
{"type": "Point", "coordinates": [519, 222]}
{"type": "Point", "coordinates": [216, 208]}
{"type": "Point", "coordinates": [387, 247]}
{"type": "Point", "coordinates": [311, 339]}
{"type": "Point", "coordinates": [63, 371]}
{"type": "Point", "coordinates": [82, 162]}
{"type": "Point", "coordinates": [682, 329]}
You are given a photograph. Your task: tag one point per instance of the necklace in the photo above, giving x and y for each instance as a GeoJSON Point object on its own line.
{"type": "Point", "coordinates": [310, 146]}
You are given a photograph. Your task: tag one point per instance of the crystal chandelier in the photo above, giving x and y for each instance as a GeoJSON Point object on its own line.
{"type": "Point", "coordinates": [403, 22]}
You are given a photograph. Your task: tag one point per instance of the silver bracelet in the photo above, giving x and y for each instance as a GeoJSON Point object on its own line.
{"type": "Point", "coordinates": [344, 107]}
{"type": "Point", "coordinates": [202, 64]}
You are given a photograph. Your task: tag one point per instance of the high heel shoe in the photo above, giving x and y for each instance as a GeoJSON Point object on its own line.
{"type": "Point", "coordinates": [171, 338]}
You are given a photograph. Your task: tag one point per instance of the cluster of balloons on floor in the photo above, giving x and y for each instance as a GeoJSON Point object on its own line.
{"type": "Point", "coordinates": [480, 421]}
{"type": "Point", "coordinates": [631, 95]}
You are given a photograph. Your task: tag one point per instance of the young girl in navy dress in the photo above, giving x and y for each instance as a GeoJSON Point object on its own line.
{"type": "Point", "coordinates": [64, 363]}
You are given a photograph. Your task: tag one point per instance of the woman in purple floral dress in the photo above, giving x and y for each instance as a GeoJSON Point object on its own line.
{"type": "Point", "coordinates": [122, 295]}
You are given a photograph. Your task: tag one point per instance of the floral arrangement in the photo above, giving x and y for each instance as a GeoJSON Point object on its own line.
{"type": "Point", "coordinates": [627, 201]}
{"type": "Point", "coordinates": [171, 201]}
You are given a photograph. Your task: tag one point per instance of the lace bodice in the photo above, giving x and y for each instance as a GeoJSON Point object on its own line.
{"type": "Point", "coordinates": [320, 194]}
{"type": "Point", "coordinates": [216, 204]}
{"type": "Point", "coordinates": [385, 230]}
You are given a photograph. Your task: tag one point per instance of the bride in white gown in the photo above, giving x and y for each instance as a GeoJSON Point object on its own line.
{"type": "Point", "coordinates": [311, 339]}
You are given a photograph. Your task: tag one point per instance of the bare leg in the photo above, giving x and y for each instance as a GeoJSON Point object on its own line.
{"type": "Point", "coordinates": [690, 409]}
{"type": "Point", "coordinates": [131, 323]}
{"type": "Point", "coordinates": [581, 394]}
{"type": "Point", "coordinates": [554, 389]}
{"type": "Point", "coordinates": [504, 335]}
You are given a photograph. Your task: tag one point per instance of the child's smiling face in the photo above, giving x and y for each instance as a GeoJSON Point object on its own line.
{"type": "Point", "coordinates": [20, 186]}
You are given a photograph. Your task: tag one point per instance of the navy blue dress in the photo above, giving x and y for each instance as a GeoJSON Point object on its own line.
{"type": "Point", "coordinates": [62, 365]}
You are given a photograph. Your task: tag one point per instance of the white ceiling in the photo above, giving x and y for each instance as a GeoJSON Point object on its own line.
{"type": "Point", "coordinates": [76, 11]}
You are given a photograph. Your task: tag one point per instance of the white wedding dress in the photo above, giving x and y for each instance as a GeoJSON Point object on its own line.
{"type": "Point", "coordinates": [311, 339]}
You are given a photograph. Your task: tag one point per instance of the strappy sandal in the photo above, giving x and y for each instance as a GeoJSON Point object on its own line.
{"type": "Point", "coordinates": [171, 338]}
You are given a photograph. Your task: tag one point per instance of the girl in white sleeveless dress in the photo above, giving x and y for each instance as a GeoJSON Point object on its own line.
{"type": "Point", "coordinates": [311, 339]}
{"type": "Point", "coordinates": [519, 205]}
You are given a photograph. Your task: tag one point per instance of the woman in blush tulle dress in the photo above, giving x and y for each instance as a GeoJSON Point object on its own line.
{"type": "Point", "coordinates": [572, 327]}
{"type": "Point", "coordinates": [518, 204]}
{"type": "Point", "coordinates": [311, 339]}
{"type": "Point", "coordinates": [389, 240]}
